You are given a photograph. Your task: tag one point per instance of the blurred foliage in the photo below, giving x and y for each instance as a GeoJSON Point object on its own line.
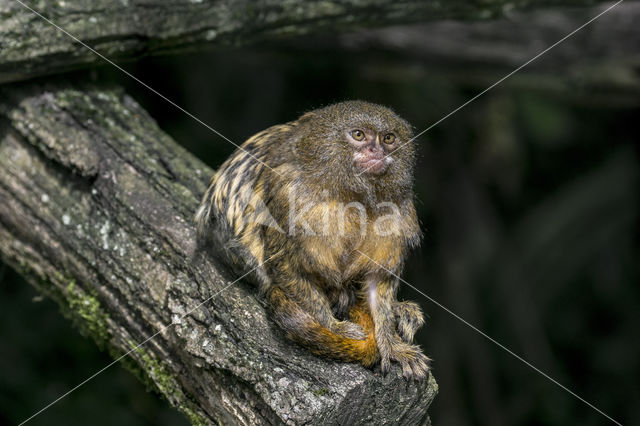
{"type": "Point", "coordinates": [529, 204]}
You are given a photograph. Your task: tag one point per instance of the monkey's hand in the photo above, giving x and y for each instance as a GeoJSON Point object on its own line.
{"type": "Point", "coordinates": [395, 322]}
{"type": "Point", "coordinates": [409, 319]}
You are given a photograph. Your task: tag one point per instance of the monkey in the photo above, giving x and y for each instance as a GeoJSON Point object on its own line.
{"type": "Point", "coordinates": [320, 209]}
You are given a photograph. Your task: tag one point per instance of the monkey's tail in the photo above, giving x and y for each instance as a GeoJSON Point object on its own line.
{"type": "Point", "coordinates": [302, 328]}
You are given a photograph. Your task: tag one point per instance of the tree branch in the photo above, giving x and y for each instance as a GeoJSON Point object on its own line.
{"type": "Point", "coordinates": [96, 212]}
{"type": "Point", "coordinates": [127, 29]}
{"type": "Point", "coordinates": [597, 65]}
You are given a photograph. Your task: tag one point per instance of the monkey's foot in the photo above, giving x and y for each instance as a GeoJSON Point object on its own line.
{"type": "Point", "coordinates": [409, 319]}
{"type": "Point", "coordinates": [348, 329]}
{"type": "Point", "coordinates": [415, 364]}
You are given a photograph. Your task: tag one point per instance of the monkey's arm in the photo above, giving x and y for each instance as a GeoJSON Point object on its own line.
{"type": "Point", "coordinates": [383, 305]}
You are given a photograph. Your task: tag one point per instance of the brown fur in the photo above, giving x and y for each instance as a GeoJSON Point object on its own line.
{"type": "Point", "coordinates": [318, 285]}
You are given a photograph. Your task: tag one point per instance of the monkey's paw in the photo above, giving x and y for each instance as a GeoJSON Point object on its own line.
{"type": "Point", "coordinates": [409, 319]}
{"type": "Point", "coordinates": [415, 364]}
{"type": "Point", "coordinates": [349, 329]}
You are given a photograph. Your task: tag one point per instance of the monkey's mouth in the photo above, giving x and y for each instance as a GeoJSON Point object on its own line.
{"type": "Point", "coordinates": [373, 165]}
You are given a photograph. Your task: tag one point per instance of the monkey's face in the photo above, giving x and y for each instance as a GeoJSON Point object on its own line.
{"type": "Point", "coordinates": [358, 146]}
{"type": "Point", "coordinates": [371, 149]}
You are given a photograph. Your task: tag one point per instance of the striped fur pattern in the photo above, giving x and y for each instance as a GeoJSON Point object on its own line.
{"type": "Point", "coordinates": [235, 202]}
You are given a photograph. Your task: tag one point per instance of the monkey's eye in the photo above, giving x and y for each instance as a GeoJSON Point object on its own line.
{"type": "Point", "coordinates": [357, 134]}
{"type": "Point", "coordinates": [389, 138]}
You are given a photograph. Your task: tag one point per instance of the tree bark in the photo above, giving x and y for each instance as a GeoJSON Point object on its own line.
{"type": "Point", "coordinates": [128, 29]}
{"type": "Point", "coordinates": [510, 41]}
{"type": "Point", "coordinates": [96, 212]}
{"type": "Point", "coordinates": [599, 64]}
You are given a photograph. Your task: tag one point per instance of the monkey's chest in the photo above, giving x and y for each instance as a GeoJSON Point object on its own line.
{"type": "Point", "coordinates": [344, 258]}
{"type": "Point", "coordinates": [348, 243]}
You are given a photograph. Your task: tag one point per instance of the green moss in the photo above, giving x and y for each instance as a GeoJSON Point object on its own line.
{"type": "Point", "coordinates": [320, 392]}
{"type": "Point", "coordinates": [87, 314]}
{"type": "Point", "coordinates": [157, 371]}
{"type": "Point", "coordinates": [156, 376]}
{"type": "Point", "coordinates": [195, 418]}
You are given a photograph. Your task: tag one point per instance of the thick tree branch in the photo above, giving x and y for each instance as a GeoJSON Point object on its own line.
{"type": "Point", "coordinates": [126, 29]}
{"type": "Point", "coordinates": [510, 41]}
{"type": "Point", "coordinates": [96, 212]}
{"type": "Point", "coordinates": [600, 64]}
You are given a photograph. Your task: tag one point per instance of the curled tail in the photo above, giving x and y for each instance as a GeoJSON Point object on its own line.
{"type": "Point", "coordinates": [302, 328]}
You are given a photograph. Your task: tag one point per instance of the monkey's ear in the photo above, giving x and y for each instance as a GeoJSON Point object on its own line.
{"type": "Point", "coordinates": [303, 126]}
{"type": "Point", "coordinates": [307, 116]}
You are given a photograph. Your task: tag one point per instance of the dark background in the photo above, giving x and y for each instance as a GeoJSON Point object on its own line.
{"type": "Point", "coordinates": [528, 199]}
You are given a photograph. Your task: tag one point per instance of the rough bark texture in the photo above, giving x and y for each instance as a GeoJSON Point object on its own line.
{"type": "Point", "coordinates": [96, 212]}
{"type": "Point", "coordinates": [126, 29]}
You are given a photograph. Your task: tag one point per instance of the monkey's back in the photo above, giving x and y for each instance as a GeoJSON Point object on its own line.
{"type": "Point", "coordinates": [234, 207]}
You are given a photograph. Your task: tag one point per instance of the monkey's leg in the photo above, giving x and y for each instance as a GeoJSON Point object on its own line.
{"type": "Point", "coordinates": [360, 314]}
{"type": "Point", "coordinates": [303, 328]}
{"type": "Point", "coordinates": [315, 302]}
{"type": "Point", "coordinates": [381, 302]}
{"type": "Point", "coordinates": [409, 319]}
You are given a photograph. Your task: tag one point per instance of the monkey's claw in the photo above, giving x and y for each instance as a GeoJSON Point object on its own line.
{"type": "Point", "coordinates": [385, 365]}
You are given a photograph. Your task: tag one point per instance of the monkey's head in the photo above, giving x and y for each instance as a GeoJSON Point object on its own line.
{"type": "Point", "coordinates": [358, 146]}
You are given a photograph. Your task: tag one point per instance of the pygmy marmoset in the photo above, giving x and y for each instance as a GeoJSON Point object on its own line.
{"type": "Point", "coordinates": [322, 209]}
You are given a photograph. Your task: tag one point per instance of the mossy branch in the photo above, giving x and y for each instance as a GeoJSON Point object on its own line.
{"type": "Point", "coordinates": [96, 212]}
{"type": "Point", "coordinates": [128, 29]}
